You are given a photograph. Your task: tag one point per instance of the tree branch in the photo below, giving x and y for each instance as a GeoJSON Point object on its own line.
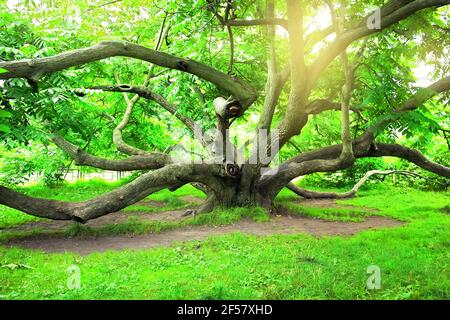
{"type": "Point", "coordinates": [273, 83]}
{"type": "Point", "coordinates": [347, 88]}
{"type": "Point", "coordinates": [295, 117]}
{"type": "Point", "coordinates": [308, 194]}
{"type": "Point", "coordinates": [258, 22]}
{"type": "Point", "coordinates": [33, 69]}
{"type": "Point", "coordinates": [412, 155]}
{"type": "Point", "coordinates": [421, 96]}
{"type": "Point", "coordinates": [324, 160]}
{"type": "Point", "coordinates": [149, 161]}
{"type": "Point", "coordinates": [118, 141]}
{"type": "Point", "coordinates": [138, 189]}
{"type": "Point", "coordinates": [320, 105]}
{"type": "Point", "coordinates": [393, 12]}
{"type": "Point", "coordinates": [146, 93]}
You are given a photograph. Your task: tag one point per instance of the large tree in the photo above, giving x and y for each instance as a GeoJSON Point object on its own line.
{"type": "Point", "coordinates": [294, 92]}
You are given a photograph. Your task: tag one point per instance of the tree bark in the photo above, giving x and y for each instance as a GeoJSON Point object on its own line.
{"type": "Point", "coordinates": [308, 194]}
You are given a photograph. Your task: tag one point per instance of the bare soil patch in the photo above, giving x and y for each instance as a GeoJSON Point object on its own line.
{"type": "Point", "coordinates": [277, 225]}
{"type": "Point", "coordinates": [151, 203]}
{"type": "Point", "coordinates": [192, 199]}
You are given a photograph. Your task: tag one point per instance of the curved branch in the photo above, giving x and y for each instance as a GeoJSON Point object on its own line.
{"type": "Point", "coordinates": [412, 155]}
{"type": "Point", "coordinates": [422, 95]}
{"type": "Point", "coordinates": [146, 93]}
{"type": "Point", "coordinates": [393, 12]}
{"type": "Point", "coordinates": [33, 69]}
{"type": "Point", "coordinates": [148, 183]}
{"type": "Point", "coordinates": [231, 40]}
{"type": "Point", "coordinates": [308, 194]}
{"type": "Point", "coordinates": [117, 137]}
{"type": "Point", "coordinates": [320, 105]}
{"type": "Point", "coordinates": [82, 158]}
{"type": "Point", "coordinates": [324, 160]}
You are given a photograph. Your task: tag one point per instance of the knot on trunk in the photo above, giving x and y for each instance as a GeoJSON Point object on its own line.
{"type": "Point", "coordinates": [232, 169]}
{"type": "Point", "coordinates": [182, 65]}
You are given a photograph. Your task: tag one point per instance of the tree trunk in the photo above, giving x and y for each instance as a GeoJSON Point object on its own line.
{"type": "Point", "coordinates": [241, 192]}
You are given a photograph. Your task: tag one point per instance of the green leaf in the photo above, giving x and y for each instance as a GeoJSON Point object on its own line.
{"type": "Point", "coordinates": [4, 128]}
{"type": "Point", "coordinates": [5, 114]}
{"type": "Point", "coordinates": [2, 70]}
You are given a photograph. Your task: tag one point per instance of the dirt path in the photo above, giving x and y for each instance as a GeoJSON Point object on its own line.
{"type": "Point", "coordinates": [285, 224]}
{"type": "Point", "coordinates": [277, 225]}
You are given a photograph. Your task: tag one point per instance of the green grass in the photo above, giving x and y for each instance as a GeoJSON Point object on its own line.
{"type": "Point", "coordinates": [414, 259]}
{"type": "Point", "coordinates": [337, 214]}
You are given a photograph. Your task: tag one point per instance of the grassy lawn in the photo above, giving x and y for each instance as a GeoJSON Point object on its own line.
{"type": "Point", "coordinates": [414, 259]}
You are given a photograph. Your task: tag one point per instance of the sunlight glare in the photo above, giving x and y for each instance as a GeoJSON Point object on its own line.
{"type": "Point", "coordinates": [422, 74]}
{"type": "Point", "coordinates": [320, 21]}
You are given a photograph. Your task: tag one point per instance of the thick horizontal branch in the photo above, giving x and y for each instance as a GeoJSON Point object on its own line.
{"type": "Point", "coordinates": [320, 105]}
{"type": "Point", "coordinates": [82, 158]}
{"type": "Point", "coordinates": [308, 194]}
{"type": "Point", "coordinates": [138, 189]}
{"type": "Point", "coordinates": [412, 155]}
{"type": "Point", "coordinates": [325, 160]}
{"type": "Point", "coordinates": [258, 22]}
{"type": "Point", "coordinates": [33, 69]}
